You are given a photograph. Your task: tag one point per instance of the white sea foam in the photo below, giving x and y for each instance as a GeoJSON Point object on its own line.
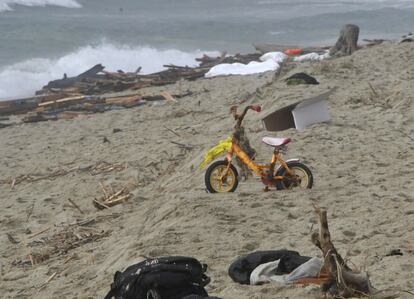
{"type": "Point", "coordinates": [360, 4]}
{"type": "Point", "coordinates": [7, 5]}
{"type": "Point", "coordinates": [23, 78]}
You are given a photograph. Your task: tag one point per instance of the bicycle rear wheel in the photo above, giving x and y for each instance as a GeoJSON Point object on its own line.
{"type": "Point", "coordinates": [300, 178]}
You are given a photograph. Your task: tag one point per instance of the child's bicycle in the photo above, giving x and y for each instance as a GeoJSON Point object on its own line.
{"type": "Point", "coordinates": [222, 176]}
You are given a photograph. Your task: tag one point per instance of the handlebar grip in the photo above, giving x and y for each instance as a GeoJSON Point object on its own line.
{"type": "Point", "coordinates": [256, 108]}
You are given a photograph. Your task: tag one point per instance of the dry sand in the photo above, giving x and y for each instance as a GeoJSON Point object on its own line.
{"type": "Point", "coordinates": [363, 165]}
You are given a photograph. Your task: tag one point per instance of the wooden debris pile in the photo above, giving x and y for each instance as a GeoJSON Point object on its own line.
{"type": "Point", "coordinates": [97, 81]}
{"type": "Point", "coordinates": [68, 108]}
{"type": "Point", "coordinates": [111, 198]}
{"type": "Point", "coordinates": [86, 93]}
{"type": "Point", "coordinates": [94, 169]}
{"type": "Point", "coordinates": [94, 220]}
{"type": "Point", "coordinates": [44, 248]}
{"type": "Point", "coordinates": [208, 62]}
{"type": "Point", "coordinates": [105, 167]}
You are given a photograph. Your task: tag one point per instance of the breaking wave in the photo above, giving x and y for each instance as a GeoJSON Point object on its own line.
{"type": "Point", "coordinates": [6, 5]}
{"type": "Point", "coordinates": [24, 78]}
{"type": "Point", "coordinates": [349, 4]}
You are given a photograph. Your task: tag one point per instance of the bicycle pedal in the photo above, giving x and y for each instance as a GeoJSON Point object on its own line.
{"type": "Point", "coordinates": [265, 189]}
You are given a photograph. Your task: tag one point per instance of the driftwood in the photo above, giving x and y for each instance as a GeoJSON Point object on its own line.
{"type": "Point", "coordinates": [97, 81]}
{"type": "Point", "coordinates": [374, 42]}
{"type": "Point", "coordinates": [265, 48]}
{"type": "Point", "coordinates": [342, 281]}
{"type": "Point", "coordinates": [126, 101]}
{"type": "Point", "coordinates": [68, 108]}
{"type": "Point", "coordinates": [347, 41]}
{"type": "Point", "coordinates": [75, 205]}
{"type": "Point", "coordinates": [207, 62]}
{"type": "Point", "coordinates": [66, 82]}
{"type": "Point", "coordinates": [84, 94]}
{"type": "Point", "coordinates": [111, 198]}
{"type": "Point", "coordinates": [94, 169]}
{"type": "Point", "coordinates": [33, 117]}
{"type": "Point", "coordinates": [4, 125]}
{"type": "Point", "coordinates": [18, 106]}
{"type": "Point", "coordinates": [168, 96]}
{"type": "Point", "coordinates": [59, 244]}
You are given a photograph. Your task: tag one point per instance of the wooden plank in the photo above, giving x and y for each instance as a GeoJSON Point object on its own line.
{"type": "Point", "coordinates": [123, 99]}
{"type": "Point", "coordinates": [168, 96]}
{"type": "Point", "coordinates": [64, 100]}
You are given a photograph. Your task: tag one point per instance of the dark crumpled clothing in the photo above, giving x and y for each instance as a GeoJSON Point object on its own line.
{"type": "Point", "coordinates": [243, 266]}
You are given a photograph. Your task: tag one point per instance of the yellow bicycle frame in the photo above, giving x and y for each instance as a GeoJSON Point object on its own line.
{"type": "Point", "coordinates": [262, 170]}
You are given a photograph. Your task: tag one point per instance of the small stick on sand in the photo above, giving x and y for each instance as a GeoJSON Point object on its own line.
{"type": "Point", "coordinates": [38, 233]}
{"type": "Point", "coordinates": [11, 239]}
{"type": "Point", "coordinates": [185, 146]}
{"type": "Point", "coordinates": [51, 277]}
{"type": "Point", "coordinates": [69, 258]}
{"type": "Point", "coordinates": [75, 205]}
{"type": "Point", "coordinates": [31, 258]}
{"type": "Point", "coordinates": [115, 195]}
{"type": "Point", "coordinates": [103, 189]}
{"type": "Point", "coordinates": [100, 204]}
{"type": "Point", "coordinates": [373, 90]}
{"type": "Point", "coordinates": [47, 281]}
{"type": "Point", "coordinates": [172, 131]}
{"type": "Point", "coordinates": [117, 200]}
{"type": "Point", "coordinates": [13, 183]}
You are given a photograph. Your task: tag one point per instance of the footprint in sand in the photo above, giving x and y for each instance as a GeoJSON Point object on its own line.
{"type": "Point", "coordinates": [348, 233]}
{"type": "Point", "coordinates": [250, 246]}
{"type": "Point", "coordinates": [256, 205]}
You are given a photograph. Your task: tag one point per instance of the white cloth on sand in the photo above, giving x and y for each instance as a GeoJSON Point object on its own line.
{"type": "Point", "coordinates": [266, 272]}
{"type": "Point", "coordinates": [270, 62]}
{"type": "Point", "coordinates": [311, 56]}
{"type": "Point", "coordinates": [279, 57]}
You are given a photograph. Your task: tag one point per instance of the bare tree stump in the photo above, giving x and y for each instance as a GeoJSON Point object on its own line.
{"type": "Point", "coordinates": [342, 281]}
{"type": "Point", "coordinates": [347, 41]}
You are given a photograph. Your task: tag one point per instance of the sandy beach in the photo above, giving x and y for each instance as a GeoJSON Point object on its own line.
{"type": "Point", "coordinates": [362, 161]}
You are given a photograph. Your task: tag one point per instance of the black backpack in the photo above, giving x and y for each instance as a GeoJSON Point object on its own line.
{"type": "Point", "coordinates": [173, 277]}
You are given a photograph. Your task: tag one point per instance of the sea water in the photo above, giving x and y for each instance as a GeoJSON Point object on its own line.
{"type": "Point", "coordinates": [40, 40]}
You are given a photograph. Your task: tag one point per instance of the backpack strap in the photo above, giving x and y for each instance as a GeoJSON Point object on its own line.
{"type": "Point", "coordinates": [116, 285]}
{"type": "Point", "coordinates": [153, 294]}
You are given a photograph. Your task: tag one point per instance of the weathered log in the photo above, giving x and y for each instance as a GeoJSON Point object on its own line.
{"type": "Point", "coordinates": [72, 114]}
{"type": "Point", "coordinates": [33, 117]}
{"type": "Point", "coordinates": [68, 82]}
{"type": "Point", "coordinates": [347, 41]}
{"type": "Point", "coordinates": [126, 101]}
{"type": "Point", "coordinates": [91, 72]}
{"type": "Point", "coordinates": [207, 61]}
{"type": "Point", "coordinates": [374, 42]}
{"type": "Point", "coordinates": [18, 106]}
{"type": "Point", "coordinates": [4, 125]}
{"type": "Point", "coordinates": [342, 281]}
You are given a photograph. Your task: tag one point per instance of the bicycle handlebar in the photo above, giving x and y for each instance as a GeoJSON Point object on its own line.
{"type": "Point", "coordinates": [240, 117]}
